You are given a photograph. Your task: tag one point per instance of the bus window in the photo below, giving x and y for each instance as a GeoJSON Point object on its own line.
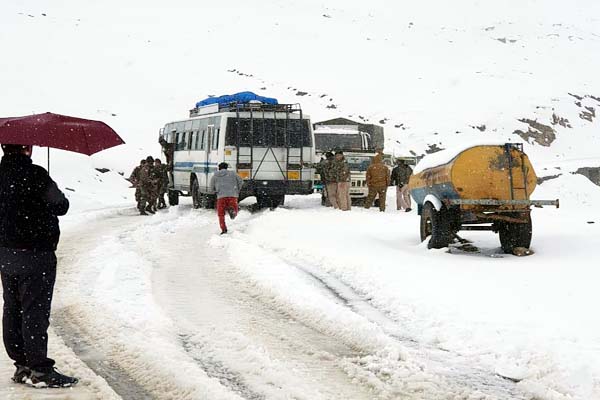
{"type": "Point", "coordinates": [189, 142]}
{"type": "Point", "coordinates": [215, 140]}
{"type": "Point", "coordinates": [177, 141]}
{"type": "Point", "coordinates": [202, 135]}
{"type": "Point", "coordinates": [298, 133]}
{"type": "Point", "coordinates": [196, 140]}
{"type": "Point", "coordinates": [212, 138]}
{"type": "Point", "coordinates": [181, 145]}
{"type": "Point", "coordinates": [268, 132]}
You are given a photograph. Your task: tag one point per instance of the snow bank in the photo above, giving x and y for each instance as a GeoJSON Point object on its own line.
{"type": "Point", "coordinates": [531, 317]}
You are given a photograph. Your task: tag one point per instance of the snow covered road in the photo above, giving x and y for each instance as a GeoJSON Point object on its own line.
{"type": "Point", "coordinates": [297, 304]}
{"type": "Point", "coordinates": [152, 297]}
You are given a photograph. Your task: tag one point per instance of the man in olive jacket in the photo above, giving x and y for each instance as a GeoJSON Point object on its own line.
{"type": "Point", "coordinates": [30, 203]}
{"type": "Point", "coordinates": [341, 171]}
{"type": "Point", "coordinates": [378, 180]}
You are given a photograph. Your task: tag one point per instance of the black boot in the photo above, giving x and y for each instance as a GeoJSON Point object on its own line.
{"type": "Point", "coordinates": [149, 209]}
{"type": "Point", "coordinates": [50, 378]}
{"type": "Point", "coordinates": [232, 213]}
{"type": "Point", "coordinates": [21, 374]}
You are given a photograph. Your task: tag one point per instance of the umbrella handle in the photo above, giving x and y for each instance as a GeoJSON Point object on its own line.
{"type": "Point", "coordinates": [48, 160]}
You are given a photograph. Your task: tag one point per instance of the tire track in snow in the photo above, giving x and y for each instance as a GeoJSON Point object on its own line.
{"type": "Point", "coordinates": [132, 374]}
{"type": "Point", "coordinates": [118, 379]}
{"type": "Point", "coordinates": [451, 365]}
{"type": "Point", "coordinates": [216, 369]}
{"type": "Point", "coordinates": [270, 356]}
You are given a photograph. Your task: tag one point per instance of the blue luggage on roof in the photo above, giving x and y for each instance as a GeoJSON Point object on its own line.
{"type": "Point", "coordinates": [242, 97]}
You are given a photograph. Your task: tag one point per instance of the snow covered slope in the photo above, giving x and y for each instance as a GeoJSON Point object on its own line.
{"type": "Point", "coordinates": [434, 74]}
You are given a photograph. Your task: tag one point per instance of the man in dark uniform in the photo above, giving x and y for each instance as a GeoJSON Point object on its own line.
{"type": "Point", "coordinates": [145, 185]}
{"type": "Point", "coordinates": [134, 178]}
{"type": "Point", "coordinates": [30, 203]}
{"type": "Point", "coordinates": [161, 171]}
{"type": "Point", "coordinates": [400, 178]}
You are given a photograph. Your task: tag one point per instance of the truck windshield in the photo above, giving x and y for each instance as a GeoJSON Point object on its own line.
{"type": "Point", "coordinates": [358, 163]}
{"type": "Point", "coordinates": [268, 132]}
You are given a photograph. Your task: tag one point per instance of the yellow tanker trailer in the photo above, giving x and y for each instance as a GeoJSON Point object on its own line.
{"type": "Point", "coordinates": [485, 187]}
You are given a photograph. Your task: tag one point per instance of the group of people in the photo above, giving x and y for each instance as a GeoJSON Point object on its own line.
{"type": "Point", "coordinates": [379, 179]}
{"type": "Point", "coordinates": [336, 177]}
{"type": "Point", "coordinates": [151, 182]}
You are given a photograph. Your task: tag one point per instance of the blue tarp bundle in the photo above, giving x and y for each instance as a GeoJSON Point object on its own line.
{"type": "Point", "coordinates": [242, 97]}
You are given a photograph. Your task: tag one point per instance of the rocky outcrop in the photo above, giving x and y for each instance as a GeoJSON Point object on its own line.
{"type": "Point", "coordinates": [541, 134]}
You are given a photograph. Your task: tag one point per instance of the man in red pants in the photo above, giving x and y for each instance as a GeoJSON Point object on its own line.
{"type": "Point", "coordinates": [227, 185]}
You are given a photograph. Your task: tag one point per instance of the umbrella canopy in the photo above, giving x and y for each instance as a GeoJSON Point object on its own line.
{"type": "Point", "coordinates": [59, 132]}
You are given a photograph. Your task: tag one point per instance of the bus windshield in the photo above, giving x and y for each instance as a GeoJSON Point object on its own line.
{"type": "Point", "coordinates": [358, 163]}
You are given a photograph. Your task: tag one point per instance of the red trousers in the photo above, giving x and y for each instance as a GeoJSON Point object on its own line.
{"type": "Point", "coordinates": [224, 204]}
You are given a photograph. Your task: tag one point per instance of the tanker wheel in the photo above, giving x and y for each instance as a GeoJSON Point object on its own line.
{"type": "Point", "coordinates": [173, 197]}
{"type": "Point", "coordinates": [196, 195]}
{"type": "Point", "coordinates": [513, 235]}
{"type": "Point", "coordinates": [435, 225]}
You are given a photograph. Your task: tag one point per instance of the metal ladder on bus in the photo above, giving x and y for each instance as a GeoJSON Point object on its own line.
{"type": "Point", "coordinates": [294, 155]}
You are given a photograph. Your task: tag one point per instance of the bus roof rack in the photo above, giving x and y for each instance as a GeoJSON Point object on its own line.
{"type": "Point", "coordinates": [244, 107]}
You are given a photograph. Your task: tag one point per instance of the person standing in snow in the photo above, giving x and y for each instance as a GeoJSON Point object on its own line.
{"type": "Point", "coordinates": [378, 180]}
{"type": "Point", "coordinates": [227, 185]}
{"type": "Point", "coordinates": [400, 177]}
{"type": "Point", "coordinates": [163, 182]}
{"type": "Point", "coordinates": [329, 181]}
{"type": "Point", "coordinates": [30, 203]}
{"type": "Point", "coordinates": [341, 172]}
{"type": "Point", "coordinates": [134, 178]}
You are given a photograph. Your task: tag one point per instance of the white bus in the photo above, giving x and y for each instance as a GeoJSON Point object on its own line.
{"type": "Point", "coordinates": [269, 146]}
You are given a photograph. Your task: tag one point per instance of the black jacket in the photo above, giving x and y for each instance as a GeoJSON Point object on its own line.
{"type": "Point", "coordinates": [401, 175]}
{"type": "Point", "coordinates": [30, 202]}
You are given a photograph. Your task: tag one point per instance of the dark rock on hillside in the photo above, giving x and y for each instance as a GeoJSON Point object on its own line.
{"type": "Point", "coordinates": [433, 148]}
{"type": "Point", "coordinates": [556, 120]}
{"type": "Point", "coordinates": [592, 173]}
{"type": "Point", "coordinates": [542, 134]}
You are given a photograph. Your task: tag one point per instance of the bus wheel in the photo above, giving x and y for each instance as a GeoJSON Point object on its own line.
{"type": "Point", "coordinates": [277, 201]}
{"type": "Point", "coordinates": [173, 197]}
{"type": "Point", "coordinates": [196, 195]}
{"type": "Point", "coordinates": [513, 235]}
{"type": "Point", "coordinates": [207, 201]}
{"type": "Point", "coordinates": [436, 225]}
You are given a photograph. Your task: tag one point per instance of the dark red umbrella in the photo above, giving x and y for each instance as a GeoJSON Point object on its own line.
{"type": "Point", "coordinates": [59, 132]}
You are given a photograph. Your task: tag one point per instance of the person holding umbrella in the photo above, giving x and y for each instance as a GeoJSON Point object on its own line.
{"type": "Point", "coordinates": [30, 204]}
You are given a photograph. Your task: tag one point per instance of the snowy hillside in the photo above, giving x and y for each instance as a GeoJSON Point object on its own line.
{"type": "Point", "coordinates": [433, 74]}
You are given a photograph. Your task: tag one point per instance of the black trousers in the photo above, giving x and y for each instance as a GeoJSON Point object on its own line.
{"type": "Point", "coordinates": [27, 284]}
